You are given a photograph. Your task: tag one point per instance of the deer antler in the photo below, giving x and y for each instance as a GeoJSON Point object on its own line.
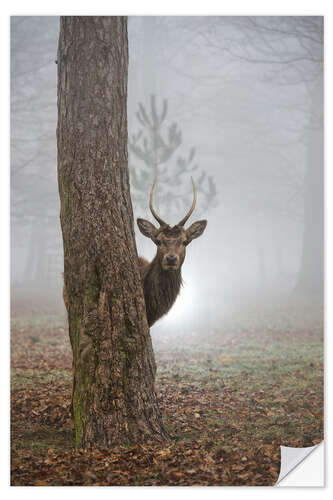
{"type": "Point", "coordinates": [182, 222]}
{"type": "Point", "coordinates": [159, 220]}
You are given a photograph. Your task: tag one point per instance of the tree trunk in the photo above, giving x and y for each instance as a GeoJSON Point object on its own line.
{"type": "Point", "coordinates": [114, 367]}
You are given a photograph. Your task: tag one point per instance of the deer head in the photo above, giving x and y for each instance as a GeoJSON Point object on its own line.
{"type": "Point", "coordinates": [171, 242]}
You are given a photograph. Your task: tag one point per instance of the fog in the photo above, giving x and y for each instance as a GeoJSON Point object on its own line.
{"type": "Point", "coordinates": [236, 103]}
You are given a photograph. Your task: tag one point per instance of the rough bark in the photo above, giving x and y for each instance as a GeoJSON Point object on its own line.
{"type": "Point", "coordinates": [114, 397]}
{"type": "Point", "coordinates": [161, 288]}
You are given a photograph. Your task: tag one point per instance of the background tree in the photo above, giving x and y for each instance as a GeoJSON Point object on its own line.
{"type": "Point", "coordinates": [36, 238]}
{"type": "Point", "coordinates": [284, 52]}
{"type": "Point", "coordinates": [153, 149]}
{"type": "Point", "coordinates": [292, 48]}
{"type": "Point", "coordinates": [114, 368]}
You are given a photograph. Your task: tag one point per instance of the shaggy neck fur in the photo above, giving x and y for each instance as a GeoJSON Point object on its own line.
{"type": "Point", "coordinates": [161, 289]}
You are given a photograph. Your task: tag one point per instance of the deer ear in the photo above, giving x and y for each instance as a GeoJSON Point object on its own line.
{"type": "Point", "coordinates": [147, 228]}
{"type": "Point", "coordinates": [195, 230]}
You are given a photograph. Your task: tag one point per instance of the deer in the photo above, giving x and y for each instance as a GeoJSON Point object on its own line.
{"type": "Point", "coordinates": [161, 278]}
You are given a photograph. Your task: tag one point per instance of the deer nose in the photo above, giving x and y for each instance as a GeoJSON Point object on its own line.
{"type": "Point", "coordinates": [171, 260]}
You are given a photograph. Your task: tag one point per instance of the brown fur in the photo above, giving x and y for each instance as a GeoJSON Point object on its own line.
{"type": "Point", "coordinates": [161, 288]}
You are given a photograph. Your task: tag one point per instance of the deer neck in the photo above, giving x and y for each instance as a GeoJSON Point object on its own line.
{"type": "Point", "coordinates": [161, 289]}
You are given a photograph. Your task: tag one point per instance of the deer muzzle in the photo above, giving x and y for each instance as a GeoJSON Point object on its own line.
{"type": "Point", "coordinates": [170, 262]}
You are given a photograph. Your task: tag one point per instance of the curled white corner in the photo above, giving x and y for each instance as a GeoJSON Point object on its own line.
{"type": "Point", "coordinates": [292, 457]}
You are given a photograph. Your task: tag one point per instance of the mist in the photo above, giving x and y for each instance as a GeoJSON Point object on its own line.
{"type": "Point", "coordinates": [234, 102]}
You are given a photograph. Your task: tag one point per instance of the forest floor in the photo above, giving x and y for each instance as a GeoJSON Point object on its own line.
{"type": "Point", "coordinates": [229, 399]}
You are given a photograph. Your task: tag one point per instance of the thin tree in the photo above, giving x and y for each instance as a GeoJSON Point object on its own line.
{"type": "Point", "coordinates": [114, 367]}
{"type": "Point", "coordinates": [295, 46]}
{"type": "Point", "coordinates": [154, 151]}
{"type": "Point", "coordinates": [289, 50]}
